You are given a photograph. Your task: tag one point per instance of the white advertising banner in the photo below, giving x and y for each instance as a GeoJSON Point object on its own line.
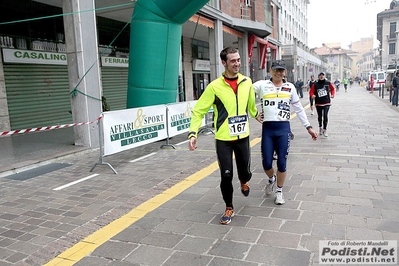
{"type": "Point", "coordinates": [129, 128]}
{"type": "Point", "coordinates": [179, 117]}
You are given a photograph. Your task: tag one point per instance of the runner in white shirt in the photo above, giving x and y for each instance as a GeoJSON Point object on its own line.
{"type": "Point", "coordinates": [277, 96]}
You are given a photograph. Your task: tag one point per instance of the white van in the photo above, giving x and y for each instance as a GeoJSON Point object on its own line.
{"type": "Point", "coordinates": [380, 78]}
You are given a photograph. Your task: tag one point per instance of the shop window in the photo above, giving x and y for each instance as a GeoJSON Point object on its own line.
{"type": "Point", "coordinates": [200, 50]}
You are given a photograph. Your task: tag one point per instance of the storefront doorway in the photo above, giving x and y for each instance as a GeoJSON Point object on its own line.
{"type": "Point", "coordinates": [200, 81]}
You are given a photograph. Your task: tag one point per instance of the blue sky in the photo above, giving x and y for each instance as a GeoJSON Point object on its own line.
{"type": "Point", "coordinates": [343, 21]}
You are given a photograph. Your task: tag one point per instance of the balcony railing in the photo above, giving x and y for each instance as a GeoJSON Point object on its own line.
{"type": "Point", "coordinates": [245, 12]}
{"type": "Point", "coordinates": [18, 42]}
{"type": "Point", "coordinates": [28, 44]}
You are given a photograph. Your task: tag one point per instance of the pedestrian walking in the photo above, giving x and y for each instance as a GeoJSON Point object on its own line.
{"type": "Point", "coordinates": [277, 96]}
{"type": "Point", "coordinates": [299, 87]}
{"type": "Point", "coordinates": [395, 85]}
{"type": "Point", "coordinates": [322, 92]}
{"type": "Point", "coordinates": [337, 83]}
{"type": "Point", "coordinates": [310, 84]}
{"type": "Point", "coordinates": [232, 97]}
{"type": "Point", "coordinates": [371, 84]}
{"type": "Point", "coordinates": [345, 81]}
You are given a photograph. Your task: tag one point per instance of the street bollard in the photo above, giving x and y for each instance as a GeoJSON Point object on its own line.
{"type": "Point", "coordinates": [383, 90]}
{"type": "Point", "coordinates": [390, 94]}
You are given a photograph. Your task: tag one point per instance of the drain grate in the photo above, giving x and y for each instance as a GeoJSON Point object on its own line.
{"type": "Point", "coordinates": [42, 170]}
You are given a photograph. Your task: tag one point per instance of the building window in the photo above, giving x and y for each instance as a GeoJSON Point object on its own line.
{"type": "Point", "coordinates": [268, 14]}
{"type": "Point", "coordinates": [199, 50]}
{"type": "Point", "coordinates": [392, 30]}
{"type": "Point", "coordinates": [272, 12]}
{"type": "Point", "coordinates": [392, 47]}
{"type": "Point", "coordinates": [213, 3]}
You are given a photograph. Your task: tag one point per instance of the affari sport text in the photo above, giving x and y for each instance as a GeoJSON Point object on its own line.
{"type": "Point", "coordinates": [142, 121]}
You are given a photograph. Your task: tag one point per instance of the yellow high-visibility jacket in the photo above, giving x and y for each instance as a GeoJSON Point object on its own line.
{"type": "Point", "coordinates": [226, 104]}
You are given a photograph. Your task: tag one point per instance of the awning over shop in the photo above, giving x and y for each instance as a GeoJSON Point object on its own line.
{"type": "Point", "coordinates": [263, 47]}
{"type": "Point", "coordinates": [209, 23]}
{"type": "Point", "coordinates": [203, 21]}
{"type": "Point", "coordinates": [233, 31]}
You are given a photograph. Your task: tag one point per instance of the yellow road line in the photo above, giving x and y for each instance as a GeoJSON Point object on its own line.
{"type": "Point", "coordinates": [96, 239]}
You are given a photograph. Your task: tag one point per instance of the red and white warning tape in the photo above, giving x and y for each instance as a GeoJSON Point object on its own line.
{"type": "Point", "coordinates": [21, 131]}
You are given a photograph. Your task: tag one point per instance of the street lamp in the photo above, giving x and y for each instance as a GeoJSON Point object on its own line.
{"type": "Point", "coordinates": [387, 51]}
{"type": "Point", "coordinates": [387, 55]}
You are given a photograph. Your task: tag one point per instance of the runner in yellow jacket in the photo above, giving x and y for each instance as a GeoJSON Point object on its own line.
{"type": "Point", "coordinates": [232, 97]}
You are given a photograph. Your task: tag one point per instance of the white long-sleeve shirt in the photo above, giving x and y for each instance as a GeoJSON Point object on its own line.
{"type": "Point", "coordinates": [276, 101]}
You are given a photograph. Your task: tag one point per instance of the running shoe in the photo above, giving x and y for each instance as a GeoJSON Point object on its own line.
{"type": "Point", "coordinates": [270, 186]}
{"type": "Point", "coordinates": [312, 113]}
{"type": "Point", "coordinates": [325, 133]}
{"type": "Point", "coordinates": [226, 217]}
{"type": "Point", "coordinates": [275, 156]}
{"type": "Point", "coordinates": [320, 131]}
{"type": "Point", "coordinates": [279, 198]}
{"type": "Point", "coordinates": [245, 189]}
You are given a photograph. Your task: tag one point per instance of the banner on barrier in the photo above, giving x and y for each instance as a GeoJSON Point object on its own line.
{"type": "Point", "coordinates": [179, 117]}
{"type": "Point", "coordinates": [129, 128]}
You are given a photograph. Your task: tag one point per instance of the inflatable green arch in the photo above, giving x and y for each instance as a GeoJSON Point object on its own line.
{"type": "Point", "coordinates": [156, 31]}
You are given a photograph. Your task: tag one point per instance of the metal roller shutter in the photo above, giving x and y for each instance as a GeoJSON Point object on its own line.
{"type": "Point", "coordinates": [37, 95]}
{"type": "Point", "coordinates": [114, 82]}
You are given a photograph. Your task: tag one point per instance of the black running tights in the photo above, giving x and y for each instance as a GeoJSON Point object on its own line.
{"type": "Point", "coordinates": [224, 151]}
{"type": "Point", "coordinates": [322, 115]}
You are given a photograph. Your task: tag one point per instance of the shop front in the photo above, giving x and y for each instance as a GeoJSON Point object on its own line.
{"type": "Point", "coordinates": [37, 87]}
{"type": "Point", "coordinates": [201, 76]}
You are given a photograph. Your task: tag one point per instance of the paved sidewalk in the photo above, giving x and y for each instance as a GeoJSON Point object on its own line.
{"type": "Point", "coordinates": [341, 187]}
{"type": "Point", "coordinates": [24, 151]}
